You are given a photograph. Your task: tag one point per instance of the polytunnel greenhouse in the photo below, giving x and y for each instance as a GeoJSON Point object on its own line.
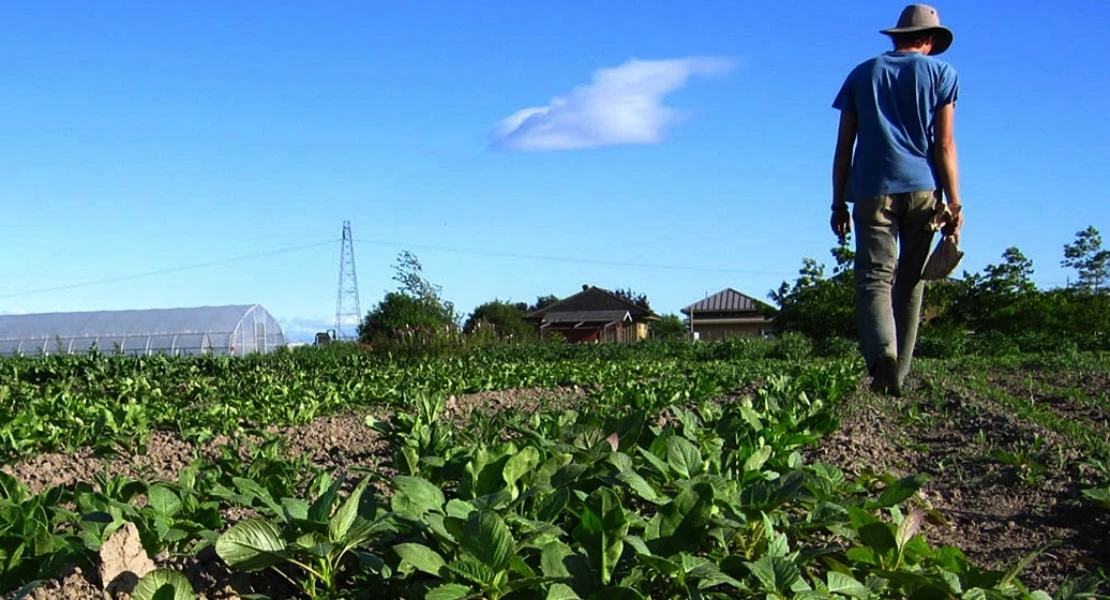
{"type": "Point", "coordinates": [235, 330]}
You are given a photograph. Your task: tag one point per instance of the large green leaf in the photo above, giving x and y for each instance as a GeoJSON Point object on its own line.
{"type": "Point", "coordinates": [839, 583]}
{"type": "Point", "coordinates": [553, 504]}
{"type": "Point", "coordinates": [321, 508]}
{"type": "Point", "coordinates": [520, 464]}
{"type": "Point", "coordinates": [251, 545]}
{"type": "Point", "coordinates": [655, 462]}
{"type": "Point", "coordinates": [901, 490]}
{"type": "Point", "coordinates": [295, 509]}
{"type": "Point", "coordinates": [488, 539]}
{"type": "Point", "coordinates": [681, 524]}
{"type": "Point", "coordinates": [448, 591]}
{"type": "Point", "coordinates": [421, 557]}
{"type": "Point", "coordinates": [468, 568]}
{"type": "Point", "coordinates": [343, 518]}
{"type": "Point", "coordinates": [879, 537]}
{"type": "Point", "coordinates": [558, 560]}
{"type": "Point", "coordinates": [164, 584]}
{"type": "Point", "coordinates": [163, 500]}
{"type": "Point", "coordinates": [775, 572]}
{"type": "Point", "coordinates": [415, 496]}
{"type": "Point", "coordinates": [552, 559]}
{"type": "Point", "coordinates": [639, 485]}
{"type": "Point", "coordinates": [601, 531]}
{"type": "Point", "coordinates": [757, 459]}
{"type": "Point", "coordinates": [561, 591]}
{"type": "Point", "coordinates": [683, 457]}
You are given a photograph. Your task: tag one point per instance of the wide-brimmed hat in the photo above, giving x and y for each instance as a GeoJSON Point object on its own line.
{"type": "Point", "coordinates": [922, 17]}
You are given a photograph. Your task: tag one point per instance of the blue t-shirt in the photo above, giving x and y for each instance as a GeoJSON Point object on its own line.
{"type": "Point", "coordinates": [895, 97]}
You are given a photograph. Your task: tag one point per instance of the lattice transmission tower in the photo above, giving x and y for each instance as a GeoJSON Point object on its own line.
{"type": "Point", "coordinates": [348, 310]}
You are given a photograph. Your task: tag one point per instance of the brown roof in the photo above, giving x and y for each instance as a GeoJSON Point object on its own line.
{"type": "Point", "coordinates": [726, 300]}
{"type": "Point", "coordinates": [593, 299]}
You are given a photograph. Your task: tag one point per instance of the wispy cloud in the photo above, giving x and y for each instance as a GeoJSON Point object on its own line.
{"type": "Point", "coordinates": [13, 311]}
{"type": "Point", "coordinates": [622, 105]}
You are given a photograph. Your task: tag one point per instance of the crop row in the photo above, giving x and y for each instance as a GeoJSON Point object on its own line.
{"type": "Point", "coordinates": [63, 403]}
{"type": "Point", "coordinates": [656, 486]}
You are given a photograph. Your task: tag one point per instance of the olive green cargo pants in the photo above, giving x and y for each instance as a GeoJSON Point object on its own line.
{"type": "Point", "coordinates": [893, 242]}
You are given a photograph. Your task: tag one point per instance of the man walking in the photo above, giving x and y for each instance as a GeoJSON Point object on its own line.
{"type": "Point", "coordinates": [896, 111]}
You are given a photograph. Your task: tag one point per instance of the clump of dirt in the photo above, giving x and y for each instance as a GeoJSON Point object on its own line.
{"type": "Point", "coordinates": [1004, 493]}
{"type": "Point", "coordinates": [336, 441]}
{"type": "Point", "coordinates": [123, 562]}
{"type": "Point", "coordinates": [459, 409]}
{"type": "Point", "coordinates": [164, 456]}
{"type": "Point", "coordinates": [70, 586]}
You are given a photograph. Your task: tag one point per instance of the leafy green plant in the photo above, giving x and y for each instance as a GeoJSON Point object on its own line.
{"type": "Point", "coordinates": [318, 539]}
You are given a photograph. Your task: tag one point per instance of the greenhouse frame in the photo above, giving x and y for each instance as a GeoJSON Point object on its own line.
{"type": "Point", "coordinates": [235, 330]}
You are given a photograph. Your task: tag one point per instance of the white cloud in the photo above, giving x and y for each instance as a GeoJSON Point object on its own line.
{"type": "Point", "coordinates": [622, 105]}
{"type": "Point", "coordinates": [13, 311]}
{"type": "Point", "coordinates": [303, 329]}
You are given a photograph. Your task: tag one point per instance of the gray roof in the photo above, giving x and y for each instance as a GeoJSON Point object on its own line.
{"type": "Point", "coordinates": [726, 300]}
{"type": "Point", "coordinates": [233, 328]}
{"type": "Point", "coordinates": [586, 316]}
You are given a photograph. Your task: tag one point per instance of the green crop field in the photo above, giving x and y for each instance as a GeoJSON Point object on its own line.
{"type": "Point", "coordinates": [726, 470]}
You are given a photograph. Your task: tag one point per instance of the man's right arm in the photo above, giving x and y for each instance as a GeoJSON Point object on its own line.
{"type": "Point", "coordinates": [944, 155]}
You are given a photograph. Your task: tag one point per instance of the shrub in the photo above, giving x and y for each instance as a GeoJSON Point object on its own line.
{"type": "Point", "coordinates": [791, 346]}
{"type": "Point", "coordinates": [835, 347]}
{"type": "Point", "coordinates": [940, 343]}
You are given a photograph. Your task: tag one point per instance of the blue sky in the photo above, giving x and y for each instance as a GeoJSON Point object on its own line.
{"type": "Point", "coordinates": [144, 137]}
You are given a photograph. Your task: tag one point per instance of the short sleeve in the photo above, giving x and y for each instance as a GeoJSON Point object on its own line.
{"type": "Point", "coordinates": [948, 86]}
{"type": "Point", "coordinates": [845, 100]}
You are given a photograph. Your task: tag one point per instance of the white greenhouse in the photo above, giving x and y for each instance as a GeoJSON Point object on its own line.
{"type": "Point", "coordinates": [237, 330]}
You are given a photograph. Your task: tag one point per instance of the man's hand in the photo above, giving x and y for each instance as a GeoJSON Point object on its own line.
{"type": "Point", "coordinates": [955, 219]}
{"type": "Point", "coordinates": [841, 222]}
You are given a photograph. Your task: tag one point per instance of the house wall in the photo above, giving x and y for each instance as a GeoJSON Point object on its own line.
{"type": "Point", "coordinates": [614, 334]}
{"type": "Point", "coordinates": [714, 332]}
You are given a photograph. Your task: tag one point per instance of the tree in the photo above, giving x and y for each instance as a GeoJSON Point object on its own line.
{"type": "Point", "coordinates": [636, 298]}
{"type": "Point", "coordinates": [818, 306]}
{"type": "Point", "coordinates": [409, 273]}
{"type": "Point", "coordinates": [506, 318]}
{"type": "Point", "coordinates": [669, 327]}
{"type": "Point", "coordinates": [416, 305]}
{"type": "Point", "coordinates": [543, 302]}
{"type": "Point", "coordinates": [1089, 259]}
{"type": "Point", "coordinates": [1002, 298]}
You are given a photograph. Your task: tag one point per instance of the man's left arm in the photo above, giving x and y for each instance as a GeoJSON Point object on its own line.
{"type": "Point", "coordinates": [842, 170]}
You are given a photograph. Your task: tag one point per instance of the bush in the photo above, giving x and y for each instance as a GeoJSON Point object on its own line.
{"type": "Point", "coordinates": [836, 347]}
{"type": "Point", "coordinates": [791, 345]}
{"type": "Point", "coordinates": [1039, 342]}
{"type": "Point", "coordinates": [940, 343]}
{"type": "Point", "coordinates": [736, 348]}
{"type": "Point", "coordinates": [991, 343]}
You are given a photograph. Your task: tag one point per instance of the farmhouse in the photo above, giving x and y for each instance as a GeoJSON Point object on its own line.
{"type": "Point", "coordinates": [727, 313]}
{"type": "Point", "coordinates": [594, 315]}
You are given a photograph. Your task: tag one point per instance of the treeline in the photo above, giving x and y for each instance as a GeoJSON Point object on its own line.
{"type": "Point", "coordinates": [997, 310]}
{"type": "Point", "coordinates": [416, 318]}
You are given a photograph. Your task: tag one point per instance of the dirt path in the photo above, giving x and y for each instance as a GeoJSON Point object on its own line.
{"type": "Point", "coordinates": [1006, 485]}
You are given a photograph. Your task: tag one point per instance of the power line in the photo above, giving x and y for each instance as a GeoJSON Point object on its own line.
{"type": "Point", "coordinates": [214, 263]}
{"type": "Point", "coordinates": [287, 250]}
{"type": "Point", "coordinates": [590, 261]}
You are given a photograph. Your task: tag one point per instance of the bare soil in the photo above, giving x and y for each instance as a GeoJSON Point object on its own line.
{"type": "Point", "coordinates": [1000, 507]}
